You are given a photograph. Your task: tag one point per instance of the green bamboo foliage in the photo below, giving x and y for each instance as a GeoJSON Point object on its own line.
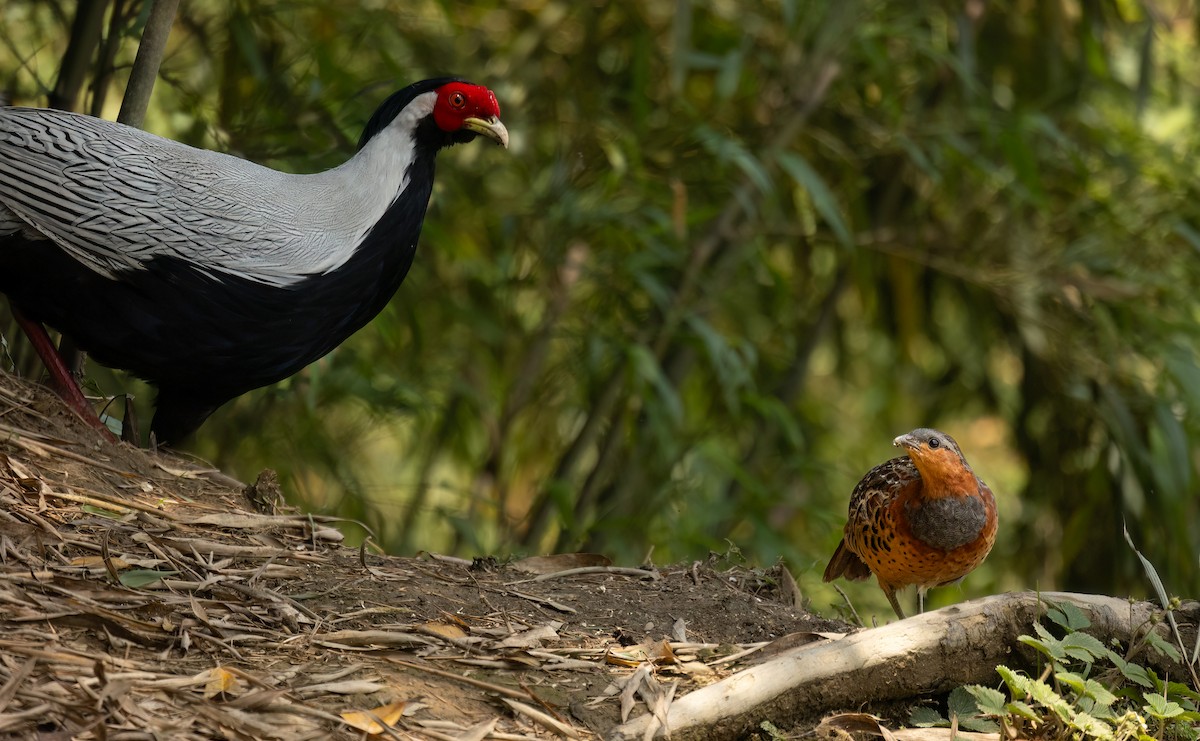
{"type": "Point", "coordinates": [734, 250]}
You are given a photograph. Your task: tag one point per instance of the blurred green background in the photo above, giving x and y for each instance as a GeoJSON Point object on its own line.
{"type": "Point", "coordinates": [734, 250]}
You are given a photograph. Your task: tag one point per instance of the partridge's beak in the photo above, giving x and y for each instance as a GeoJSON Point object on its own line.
{"type": "Point", "coordinates": [907, 441]}
{"type": "Point", "coordinates": [491, 128]}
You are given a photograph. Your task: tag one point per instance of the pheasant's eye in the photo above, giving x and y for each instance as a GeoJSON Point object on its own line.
{"type": "Point", "coordinates": [457, 100]}
{"type": "Point", "coordinates": [934, 442]}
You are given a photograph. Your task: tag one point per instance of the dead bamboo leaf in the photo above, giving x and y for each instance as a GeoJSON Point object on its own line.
{"type": "Point", "coordinates": [256, 700]}
{"type": "Point", "coordinates": [643, 574]}
{"type": "Point", "coordinates": [789, 590]}
{"type": "Point", "coordinates": [630, 688]}
{"type": "Point", "coordinates": [371, 638]}
{"type": "Point", "coordinates": [791, 641]}
{"type": "Point", "coordinates": [449, 631]}
{"type": "Point", "coordinates": [543, 719]}
{"type": "Point", "coordinates": [853, 723]}
{"type": "Point", "coordinates": [695, 668]}
{"type": "Point", "coordinates": [237, 521]}
{"type": "Point", "coordinates": [345, 687]}
{"type": "Point", "coordinates": [622, 659]}
{"type": "Point", "coordinates": [184, 473]}
{"type": "Point", "coordinates": [542, 601]}
{"type": "Point", "coordinates": [658, 701]}
{"type": "Point", "coordinates": [661, 652]}
{"type": "Point", "coordinates": [369, 721]}
{"type": "Point", "coordinates": [221, 681]}
{"type": "Point", "coordinates": [488, 686]}
{"type": "Point", "coordinates": [479, 731]}
{"type": "Point", "coordinates": [14, 683]}
{"type": "Point", "coordinates": [97, 562]}
{"type": "Point", "coordinates": [679, 630]}
{"type": "Point", "coordinates": [139, 578]}
{"type": "Point", "coordinates": [92, 509]}
{"type": "Point", "coordinates": [532, 638]}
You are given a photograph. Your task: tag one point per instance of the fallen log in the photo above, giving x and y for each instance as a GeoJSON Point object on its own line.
{"type": "Point", "coordinates": [929, 653]}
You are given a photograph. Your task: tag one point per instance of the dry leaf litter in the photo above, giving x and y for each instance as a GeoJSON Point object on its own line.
{"type": "Point", "coordinates": [145, 595]}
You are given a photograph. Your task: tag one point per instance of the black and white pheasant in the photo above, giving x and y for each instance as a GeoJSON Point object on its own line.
{"type": "Point", "coordinates": [206, 274]}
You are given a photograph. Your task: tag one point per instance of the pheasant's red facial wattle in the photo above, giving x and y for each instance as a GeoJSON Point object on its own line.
{"type": "Point", "coordinates": [463, 106]}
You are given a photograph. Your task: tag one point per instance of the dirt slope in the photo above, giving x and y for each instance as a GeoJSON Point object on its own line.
{"type": "Point", "coordinates": [141, 592]}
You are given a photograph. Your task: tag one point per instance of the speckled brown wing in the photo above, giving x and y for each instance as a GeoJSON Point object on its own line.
{"type": "Point", "coordinates": [924, 520]}
{"type": "Point", "coordinates": [867, 535]}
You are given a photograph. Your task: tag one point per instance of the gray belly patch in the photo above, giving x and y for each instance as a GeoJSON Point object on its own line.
{"type": "Point", "coordinates": [947, 523]}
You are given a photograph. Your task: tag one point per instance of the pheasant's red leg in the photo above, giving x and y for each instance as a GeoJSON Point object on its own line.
{"type": "Point", "coordinates": [61, 379]}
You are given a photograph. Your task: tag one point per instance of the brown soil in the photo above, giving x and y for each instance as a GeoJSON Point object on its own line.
{"type": "Point", "coordinates": [141, 593]}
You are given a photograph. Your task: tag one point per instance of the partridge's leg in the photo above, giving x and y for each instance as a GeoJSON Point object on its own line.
{"type": "Point", "coordinates": [920, 599]}
{"type": "Point", "coordinates": [61, 379]}
{"type": "Point", "coordinates": [890, 591]}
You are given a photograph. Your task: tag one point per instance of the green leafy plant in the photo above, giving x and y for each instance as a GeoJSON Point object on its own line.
{"type": "Point", "coordinates": [964, 707]}
{"type": "Point", "coordinates": [1086, 689]}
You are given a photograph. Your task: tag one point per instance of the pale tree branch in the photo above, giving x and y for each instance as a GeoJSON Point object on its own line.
{"type": "Point", "coordinates": [926, 654]}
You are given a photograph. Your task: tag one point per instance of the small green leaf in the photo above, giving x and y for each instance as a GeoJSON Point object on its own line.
{"type": "Point", "coordinates": [979, 725]}
{"type": "Point", "coordinates": [729, 74]}
{"type": "Point", "coordinates": [1022, 710]}
{"type": "Point", "coordinates": [1161, 707]}
{"type": "Point", "coordinates": [1103, 712]}
{"type": "Point", "coordinates": [1099, 693]}
{"type": "Point", "coordinates": [1071, 679]}
{"type": "Point", "coordinates": [1044, 634]}
{"type": "Point", "coordinates": [1044, 694]}
{"type": "Point", "coordinates": [1133, 672]}
{"type": "Point", "coordinates": [1087, 688]}
{"type": "Point", "coordinates": [1173, 462]}
{"type": "Point", "coordinates": [988, 700]}
{"type": "Point", "coordinates": [1181, 363]}
{"type": "Point", "coordinates": [1155, 580]}
{"type": "Point", "coordinates": [138, 578]}
{"type": "Point", "coordinates": [823, 199]}
{"type": "Point", "coordinates": [1160, 644]}
{"type": "Point", "coordinates": [94, 510]}
{"type": "Point", "coordinates": [962, 703]}
{"type": "Point", "coordinates": [1069, 616]}
{"type": "Point", "coordinates": [731, 150]}
{"type": "Point", "coordinates": [729, 365]}
{"type": "Point", "coordinates": [1093, 727]}
{"type": "Point", "coordinates": [647, 368]}
{"type": "Point", "coordinates": [772, 731]}
{"type": "Point", "coordinates": [1187, 232]}
{"type": "Point", "coordinates": [1056, 616]}
{"type": "Point", "coordinates": [1018, 684]}
{"type": "Point", "coordinates": [1182, 693]}
{"type": "Point", "coordinates": [923, 717]}
{"type": "Point", "coordinates": [1050, 646]}
{"type": "Point", "coordinates": [1084, 647]}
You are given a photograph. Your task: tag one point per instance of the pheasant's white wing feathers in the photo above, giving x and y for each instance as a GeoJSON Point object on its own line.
{"type": "Point", "coordinates": [116, 198]}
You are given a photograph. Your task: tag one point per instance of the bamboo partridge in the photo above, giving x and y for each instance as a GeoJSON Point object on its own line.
{"type": "Point", "coordinates": [923, 519]}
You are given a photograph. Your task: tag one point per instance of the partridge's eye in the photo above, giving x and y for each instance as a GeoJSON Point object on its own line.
{"type": "Point", "coordinates": [934, 442]}
{"type": "Point", "coordinates": [457, 100]}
